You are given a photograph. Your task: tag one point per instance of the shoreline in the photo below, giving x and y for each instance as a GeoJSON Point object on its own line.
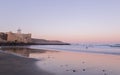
{"type": "Point", "coordinates": [52, 62]}
{"type": "Point", "coordinates": [89, 52]}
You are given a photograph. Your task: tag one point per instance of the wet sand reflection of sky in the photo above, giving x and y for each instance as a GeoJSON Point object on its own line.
{"type": "Point", "coordinates": [71, 63]}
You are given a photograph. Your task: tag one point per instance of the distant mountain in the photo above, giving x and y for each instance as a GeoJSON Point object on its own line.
{"type": "Point", "coordinates": [48, 42]}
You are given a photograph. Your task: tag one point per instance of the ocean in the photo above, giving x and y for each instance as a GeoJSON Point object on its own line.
{"type": "Point", "coordinates": [101, 48]}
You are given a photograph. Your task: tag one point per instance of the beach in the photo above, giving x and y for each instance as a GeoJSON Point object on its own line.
{"type": "Point", "coordinates": [26, 61]}
{"type": "Point", "coordinates": [59, 37]}
{"type": "Point", "coordinates": [15, 65]}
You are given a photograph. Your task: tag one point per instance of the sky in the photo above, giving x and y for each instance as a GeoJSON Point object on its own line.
{"type": "Point", "coordinates": [64, 20]}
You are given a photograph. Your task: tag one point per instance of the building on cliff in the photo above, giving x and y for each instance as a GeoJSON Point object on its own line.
{"type": "Point", "coordinates": [3, 37]}
{"type": "Point", "coordinates": [15, 37]}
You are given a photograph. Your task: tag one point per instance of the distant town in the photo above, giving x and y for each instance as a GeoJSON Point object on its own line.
{"type": "Point", "coordinates": [19, 38]}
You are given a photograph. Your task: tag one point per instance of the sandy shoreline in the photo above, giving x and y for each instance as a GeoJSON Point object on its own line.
{"type": "Point", "coordinates": [15, 65]}
{"type": "Point", "coordinates": [51, 62]}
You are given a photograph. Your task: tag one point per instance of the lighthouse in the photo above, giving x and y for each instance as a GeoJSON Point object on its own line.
{"type": "Point", "coordinates": [19, 31]}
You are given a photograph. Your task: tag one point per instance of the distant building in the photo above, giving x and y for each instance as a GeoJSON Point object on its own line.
{"type": "Point", "coordinates": [3, 37]}
{"type": "Point", "coordinates": [15, 37]}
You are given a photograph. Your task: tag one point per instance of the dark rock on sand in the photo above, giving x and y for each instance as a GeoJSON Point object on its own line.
{"type": "Point", "coordinates": [83, 69]}
{"type": "Point", "coordinates": [74, 70]}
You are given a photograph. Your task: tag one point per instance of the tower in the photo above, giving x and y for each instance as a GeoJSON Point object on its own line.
{"type": "Point", "coordinates": [19, 31]}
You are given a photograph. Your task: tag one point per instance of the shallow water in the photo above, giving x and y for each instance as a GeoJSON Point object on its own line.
{"type": "Point", "coordinates": [102, 49]}
{"type": "Point", "coordinates": [71, 63]}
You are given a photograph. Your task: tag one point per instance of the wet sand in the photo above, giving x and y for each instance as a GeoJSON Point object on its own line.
{"type": "Point", "coordinates": [15, 65]}
{"type": "Point", "coordinates": [51, 62]}
{"type": "Point", "coordinates": [72, 63]}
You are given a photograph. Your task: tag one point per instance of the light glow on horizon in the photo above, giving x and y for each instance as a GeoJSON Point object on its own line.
{"type": "Point", "coordinates": [64, 20]}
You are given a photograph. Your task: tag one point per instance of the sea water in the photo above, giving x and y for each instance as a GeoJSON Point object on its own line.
{"type": "Point", "coordinates": [101, 48]}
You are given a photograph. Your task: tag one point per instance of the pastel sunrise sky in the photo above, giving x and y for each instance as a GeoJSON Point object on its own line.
{"type": "Point", "coordinates": [65, 20]}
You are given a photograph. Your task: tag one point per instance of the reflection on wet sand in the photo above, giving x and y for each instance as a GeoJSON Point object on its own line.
{"type": "Point", "coordinates": [71, 63]}
{"type": "Point", "coordinates": [21, 51]}
{"type": "Point", "coordinates": [24, 51]}
{"type": "Point", "coordinates": [11, 64]}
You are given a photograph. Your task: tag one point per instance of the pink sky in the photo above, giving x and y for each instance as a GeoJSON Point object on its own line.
{"type": "Point", "coordinates": [65, 20]}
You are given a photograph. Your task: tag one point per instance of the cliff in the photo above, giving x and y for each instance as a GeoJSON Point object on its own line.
{"type": "Point", "coordinates": [48, 42]}
{"type": "Point", "coordinates": [34, 41]}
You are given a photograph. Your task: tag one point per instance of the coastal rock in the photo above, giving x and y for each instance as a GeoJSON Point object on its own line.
{"type": "Point", "coordinates": [48, 42]}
